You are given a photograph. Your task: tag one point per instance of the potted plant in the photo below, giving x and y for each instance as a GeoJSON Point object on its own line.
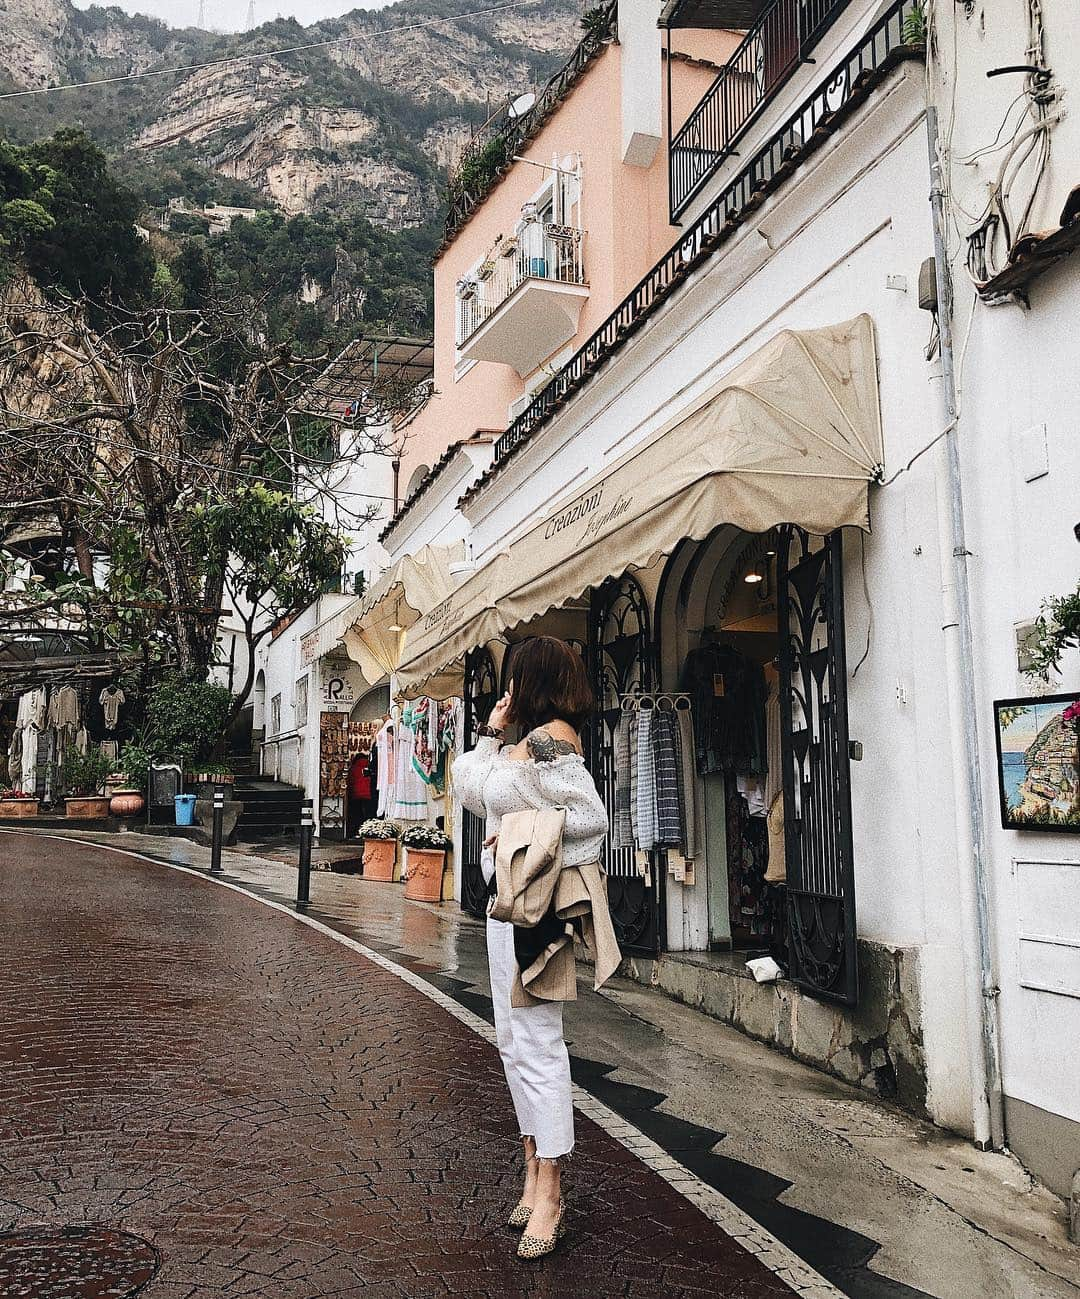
{"type": "Point", "coordinates": [425, 861]}
{"type": "Point", "coordinates": [15, 804]}
{"type": "Point", "coordinates": [509, 246]}
{"type": "Point", "coordinates": [467, 290]}
{"type": "Point", "coordinates": [209, 775]}
{"type": "Point", "coordinates": [380, 849]}
{"type": "Point", "coordinates": [129, 798]}
{"type": "Point", "coordinates": [84, 778]}
{"type": "Point", "coordinates": [486, 269]}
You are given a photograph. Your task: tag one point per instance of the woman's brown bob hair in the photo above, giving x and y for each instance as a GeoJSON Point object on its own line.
{"type": "Point", "coordinates": [549, 683]}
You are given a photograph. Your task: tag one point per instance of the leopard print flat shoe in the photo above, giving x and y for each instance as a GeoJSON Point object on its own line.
{"type": "Point", "coordinates": [533, 1247]}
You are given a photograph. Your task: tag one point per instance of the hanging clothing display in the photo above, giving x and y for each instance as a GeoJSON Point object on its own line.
{"type": "Point", "coordinates": [777, 868]}
{"type": "Point", "coordinates": [622, 831]}
{"type": "Point", "coordinates": [409, 796]}
{"type": "Point", "coordinates": [755, 906]}
{"type": "Point", "coordinates": [727, 690]}
{"type": "Point", "coordinates": [30, 737]}
{"type": "Point", "coordinates": [774, 779]}
{"type": "Point", "coordinates": [646, 782]}
{"type": "Point", "coordinates": [752, 788]}
{"type": "Point", "coordinates": [384, 765]}
{"type": "Point", "coordinates": [111, 699]}
{"type": "Point", "coordinates": [32, 709]}
{"type": "Point", "coordinates": [691, 810]}
{"type": "Point", "coordinates": [668, 775]}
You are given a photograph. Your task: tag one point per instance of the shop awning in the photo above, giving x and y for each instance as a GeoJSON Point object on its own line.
{"type": "Point", "coordinates": [375, 634]}
{"type": "Point", "coordinates": [792, 435]}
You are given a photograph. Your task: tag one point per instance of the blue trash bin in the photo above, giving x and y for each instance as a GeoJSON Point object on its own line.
{"type": "Point", "coordinates": [185, 809]}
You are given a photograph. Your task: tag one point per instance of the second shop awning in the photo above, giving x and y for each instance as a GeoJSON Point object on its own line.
{"type": "Point", "coordinates": [792, 435]}
{"type": "Point", "coordinates": [416, 582]}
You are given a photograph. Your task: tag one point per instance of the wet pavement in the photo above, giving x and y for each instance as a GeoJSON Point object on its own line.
{"type": "Point", "coordinates": [884, 1206]}
{"type": "Point", "coordinates": [282, 1117]}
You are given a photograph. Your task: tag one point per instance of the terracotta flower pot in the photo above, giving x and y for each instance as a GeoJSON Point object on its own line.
{"type": "Point", "coordinates": [380, 856]}
{"type": "Point", "coordinates": [18, 807]}
{"type": "Point", "coordinates": [424, 874]}
{"type": "Point", "coordinates": [126, 802]}
{"type": "Point", "coordinates": [89, 807]}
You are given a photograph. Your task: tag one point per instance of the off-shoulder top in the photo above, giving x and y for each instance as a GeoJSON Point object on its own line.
{"type": "Point", "coordinates": [491, 784]}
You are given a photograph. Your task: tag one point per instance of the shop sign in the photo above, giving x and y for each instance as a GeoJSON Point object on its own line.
{"type": "Point", "coordinates": [309, 646]}
{"type": "Point", "coordinates": [338, 691]}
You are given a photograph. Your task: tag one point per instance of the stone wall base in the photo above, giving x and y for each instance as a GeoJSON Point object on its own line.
{"type": "Point", "coordinates": [877, 1046]}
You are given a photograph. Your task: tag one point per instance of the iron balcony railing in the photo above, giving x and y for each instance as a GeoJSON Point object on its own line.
{"type": "Point", "coordinates": [280, 757]}
{"type": "Point", "coordinates": [541, 251]}
{"type": "Point", "coordinates": [769, 53]}
{"type": "Point", "coordinates": [491, 150]}
{"type": "Point", "coordinates": [845, 86]}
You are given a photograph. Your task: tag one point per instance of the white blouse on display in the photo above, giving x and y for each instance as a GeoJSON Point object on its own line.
{"type": "Point", "coordinates": [490, 784]}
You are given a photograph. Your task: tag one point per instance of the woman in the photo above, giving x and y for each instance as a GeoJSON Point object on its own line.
{"type": "Point", "coordinates": [548, 700]}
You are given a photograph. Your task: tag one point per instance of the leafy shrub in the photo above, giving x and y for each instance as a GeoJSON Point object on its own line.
{"type": "Point", "coordinates": [185, 720]}
{"type": "Point", "coordinates": [84, 773]}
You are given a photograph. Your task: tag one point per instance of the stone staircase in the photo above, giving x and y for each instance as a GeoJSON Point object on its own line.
{"type": "Point", "coordinates": [271, 808]}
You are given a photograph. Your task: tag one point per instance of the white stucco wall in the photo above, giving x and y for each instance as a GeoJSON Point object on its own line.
{"type": "Point", "coordinates": [854, 218]}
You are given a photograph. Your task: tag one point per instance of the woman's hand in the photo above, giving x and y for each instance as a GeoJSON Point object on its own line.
{"type": "Point", "coordinates": [497, 720]}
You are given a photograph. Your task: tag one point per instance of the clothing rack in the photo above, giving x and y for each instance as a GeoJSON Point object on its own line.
{"type": "Point", "coordinates": [632, 701]}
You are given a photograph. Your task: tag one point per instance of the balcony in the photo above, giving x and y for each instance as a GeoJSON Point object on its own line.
{"type": "Point", "coordinates": [777, 43]}
{"type": "Point", "coordinates": [524, 302]}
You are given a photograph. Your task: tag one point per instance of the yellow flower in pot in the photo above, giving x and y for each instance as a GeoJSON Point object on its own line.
{"type": "Point", "coordinates": [425, 861]}
{"type": "Point", "coordinates": [380, 849]}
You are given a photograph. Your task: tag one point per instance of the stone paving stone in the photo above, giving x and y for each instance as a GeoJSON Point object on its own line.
{"type": "Point", "coordinates": [282, 1117]}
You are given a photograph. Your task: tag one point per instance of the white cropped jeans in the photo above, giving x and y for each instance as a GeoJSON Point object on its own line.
{"type": "Point", "coordinates": [534, 1056]}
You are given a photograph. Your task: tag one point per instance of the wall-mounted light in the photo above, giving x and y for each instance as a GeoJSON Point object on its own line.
{"type": "Point", "coordinates": [395, 626]}
{"type": "Point", "coordinates": [753, 577]}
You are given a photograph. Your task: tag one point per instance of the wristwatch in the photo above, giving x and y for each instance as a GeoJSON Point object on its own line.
{"type": "Point", "coordinates": [489, 731]}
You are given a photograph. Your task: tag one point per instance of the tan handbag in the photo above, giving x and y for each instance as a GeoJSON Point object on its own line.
{"type": "Point", "coordinates": [528, 860]}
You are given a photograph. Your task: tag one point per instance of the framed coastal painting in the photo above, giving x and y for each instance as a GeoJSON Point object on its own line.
{"type": "Point", "coordinates": [1038, 751]}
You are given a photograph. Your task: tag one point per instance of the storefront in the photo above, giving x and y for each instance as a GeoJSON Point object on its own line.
{"type": "Point", "coordinates": [791, 437]}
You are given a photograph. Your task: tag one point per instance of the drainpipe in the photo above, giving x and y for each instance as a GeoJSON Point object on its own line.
{"type": "Point", "coordinates": [981, 987]}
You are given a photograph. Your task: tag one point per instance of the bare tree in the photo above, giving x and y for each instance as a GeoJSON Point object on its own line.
{"type": "Point", "coordinates": [160, 450]}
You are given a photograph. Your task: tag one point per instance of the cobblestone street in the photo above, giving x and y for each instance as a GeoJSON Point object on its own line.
{"type": "Point", "coordinates": [279, 1116]}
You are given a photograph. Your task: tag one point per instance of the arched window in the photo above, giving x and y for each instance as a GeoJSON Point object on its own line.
{"type": "Point", "coordinates": [418, 476]}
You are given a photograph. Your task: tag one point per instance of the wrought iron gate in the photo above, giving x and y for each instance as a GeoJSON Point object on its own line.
{"type": "Point", "coordinates": [621, 659]}
{"type": "Point", "coordinates": [481, 692]}
{"type": "Point", "coordinates": [817, 784]}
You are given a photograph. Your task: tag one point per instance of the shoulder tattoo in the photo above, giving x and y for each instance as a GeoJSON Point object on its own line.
{"type": "Point", "coordinates": [543, 747]}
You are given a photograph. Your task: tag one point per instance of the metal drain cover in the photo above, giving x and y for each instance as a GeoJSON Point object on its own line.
{"type": "Point", "coordinates": [74, 1263]}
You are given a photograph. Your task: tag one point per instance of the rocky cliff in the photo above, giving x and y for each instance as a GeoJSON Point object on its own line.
{"type": "Point", "coordinates": [369, 123]}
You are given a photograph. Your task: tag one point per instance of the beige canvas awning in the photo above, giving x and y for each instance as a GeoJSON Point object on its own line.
{"type": "Point", "coordinates": [375, 635]}
{"type": "Point", "coordinates": [792, 435]}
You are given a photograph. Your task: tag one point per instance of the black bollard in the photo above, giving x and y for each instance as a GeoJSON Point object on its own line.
{"type": "Point", "coordinates": [307, 833]}
{"type": "Point", "coordinates": [216, 835]}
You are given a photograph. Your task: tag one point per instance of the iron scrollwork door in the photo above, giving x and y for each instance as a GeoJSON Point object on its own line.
{"type": "Point", "coordinates": [621, 661]}
{"type": "Point", "coordinates": [817, 781]}
{"type": "Point", "coordinates": [481, 692]}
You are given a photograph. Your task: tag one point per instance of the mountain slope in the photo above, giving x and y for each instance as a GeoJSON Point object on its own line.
{"type": "Point", "coordinates": [367, 124]}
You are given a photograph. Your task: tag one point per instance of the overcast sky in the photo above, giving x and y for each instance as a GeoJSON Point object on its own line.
{"type": "Point", "coordinates": [231, 15]}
